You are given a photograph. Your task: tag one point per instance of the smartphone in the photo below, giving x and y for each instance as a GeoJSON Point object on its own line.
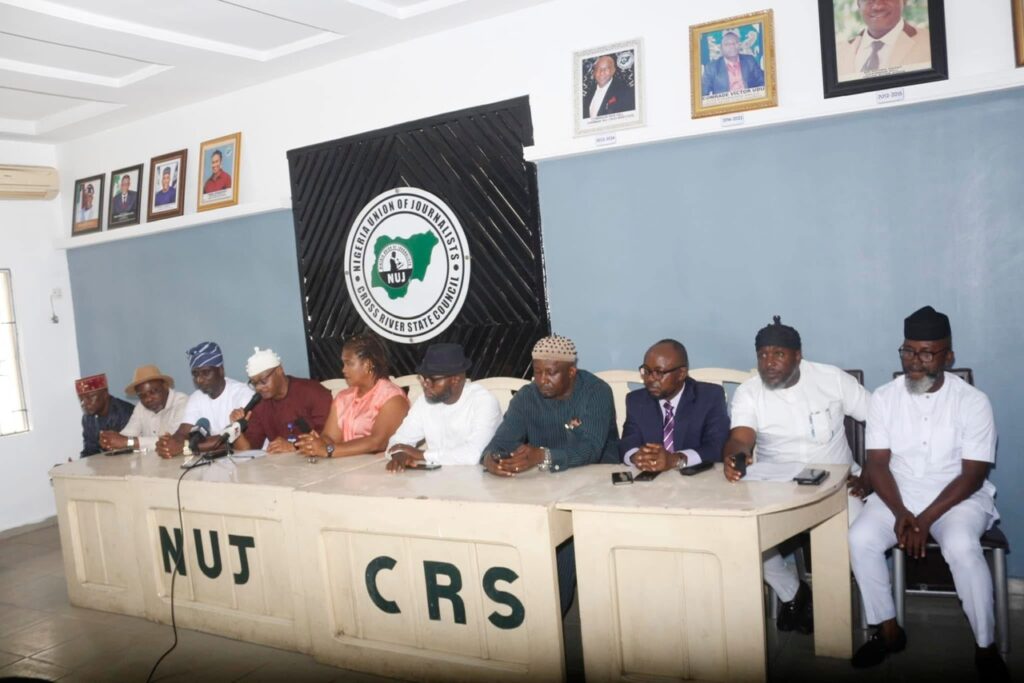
{"type": "Point", "coordinates": [646, 476]}
{"type": "Point", "coordinates": [811, 477]}
{"type": "Point", "coordinates": [620, 478]}
{"type": "Point", "coordinates": [500, 454]}
{"type": "Point", "coordinates": [694, 469]}
{"type": "Point", "coordinates": [119, 451]}
{"type": "Point", "coordinates": [739, 461]}
{"type": "Point", "coordinates": [420, 465]}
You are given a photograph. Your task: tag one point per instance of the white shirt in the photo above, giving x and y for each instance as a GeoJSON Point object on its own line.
{"type": "Point", "coordinates": [456, 434]}
{"type": "Point", "coordinates": [148, 426]}
{"type": "Point", "coordinates": [218, 410]}
{"type": "Point", "coordinates": [865, 49]}
{"type": "Point", "coordinates": [930, 435]}
{"type": "Point", "coordinates": [599, 93]}
{"type": "Point", "coordinates": [90, 214]}
{"type": "Point", "coordinates": [803, 423]}
{"type": "Point", "coordinates": [692, 456]}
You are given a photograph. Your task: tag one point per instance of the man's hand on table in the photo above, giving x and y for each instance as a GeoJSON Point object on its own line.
{"type": "Point", "coordinates": [403, 456]}
{"type": "Point", "coordinates": [168, 446]}
{"type": "Point", "coordinates": [524, 458]}
{"type": "Point", "coordinates": [653, 457]}
{"type": "Point", "coordinates": [110, 440]}
{"type": "Point", "coordinates": [731, 473]}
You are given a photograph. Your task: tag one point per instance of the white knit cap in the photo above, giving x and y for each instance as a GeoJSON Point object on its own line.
{"type": "Point", "coordinates": [262, 360]}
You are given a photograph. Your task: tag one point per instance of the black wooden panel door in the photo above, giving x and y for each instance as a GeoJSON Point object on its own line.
{"type": "Point", "coordinates": [473, 160]}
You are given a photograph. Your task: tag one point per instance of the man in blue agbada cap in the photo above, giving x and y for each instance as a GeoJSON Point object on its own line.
{"type": "Point", "coordinates": [215, 398]}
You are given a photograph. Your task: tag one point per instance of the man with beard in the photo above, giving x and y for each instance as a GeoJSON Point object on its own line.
{"type": "Point", "coordinates": [930, 443]}
{"type": "Point", "coordinates": [456, 417]}
{"type": "Point", "coordinates": [101, 411]}
{"type": "Point", "coordinates": [160, 411]}
{"type": "Point", "coordinates": [794, 411]}
{"type": "Point", "coordinates": [215, 397]}
{"type": "Point", "coordinates": [674, 421]}
{"type": "Point", "coordinates": [285, 401]}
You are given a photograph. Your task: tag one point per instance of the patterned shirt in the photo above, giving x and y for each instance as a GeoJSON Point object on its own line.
{"type": "Point", "coordinates": [116, 418]}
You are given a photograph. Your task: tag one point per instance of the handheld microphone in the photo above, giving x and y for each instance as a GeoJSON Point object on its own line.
{"type": "Point", "coordinates": [200, 431]}
{"type": "Point", "coordinates": [253, 402]}
{"type": "Point", "coordinates": [302, 427]}
{"type": "Point", "coordinates": [235, 429]}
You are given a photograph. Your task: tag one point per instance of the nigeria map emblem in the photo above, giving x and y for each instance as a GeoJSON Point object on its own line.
{"type": "Point", "coordinates": [407, 265]}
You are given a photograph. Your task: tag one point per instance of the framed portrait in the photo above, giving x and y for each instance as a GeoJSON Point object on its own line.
{"type": "Point", "coordinates": [1018, 30]}
{"type": "Point", "coordinates": [218, 172]}
{"type": "Point", "coordinates": [167, 185]}
{"type": "Point", "coordinates": [125, 197]}
{"type": "Point", "coordinates": [608, 90]}
{"type": "Point", "coordinates": [732, 65]}
{"type": "Point", "coordinates": [87, 211]}
{"type": "Point", "coordinates": [881, 44]}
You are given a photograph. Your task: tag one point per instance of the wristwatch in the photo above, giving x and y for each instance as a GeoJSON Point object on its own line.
{"type": "Point", "coordinates": [545, 466]}
{"type": "Point", "coordinates": [330, 450]}
{"type": "Point", "coordinates": [682, 460]}
{"type": "Point", "coordinates": [131, 442]}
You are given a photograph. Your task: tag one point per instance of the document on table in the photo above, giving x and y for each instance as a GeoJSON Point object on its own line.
{"type": "Point", "coordinates": [773, 471]}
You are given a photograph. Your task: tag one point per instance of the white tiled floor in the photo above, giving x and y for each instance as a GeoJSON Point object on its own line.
{"type": "Point", "coordinates": [42, 636]}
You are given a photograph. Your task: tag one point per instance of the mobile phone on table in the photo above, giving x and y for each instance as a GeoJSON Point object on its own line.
{"type": "Point", "coordinates": [421, 465]}
{"type": "Point", "coordinates": [694, 469]}
{"type": "Point", "coordinates": [646, 476]}
{"type": "Point", "coordinates": [739, 461]}
{"type": "Point", "coordinates": [620, 478]}
{"type": "Point", "coordinates": [811, 477]}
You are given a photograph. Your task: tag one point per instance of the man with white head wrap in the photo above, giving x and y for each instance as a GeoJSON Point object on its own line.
{"type": "Point", "coordinates": [290, 405]}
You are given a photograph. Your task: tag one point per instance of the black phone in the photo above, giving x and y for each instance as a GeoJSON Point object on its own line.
{"type": "Point", "coordinates": [811, 477]}
{"type": "Point", "coordinates": [739, 461]}
{"type": "Point", "coordinates": [694, 469]}
{"type": "Point", "coordinates": [421, 465]}
{"type": "Point", "coordinates": [500, 454]}
{"type": "Point", "coordinates": [302, 427]}
{"type": "Point", "coordinates": [620, 478]}
{"type": "Point", "coordinates": [646, 476]}
{"type": "Point", "coordinates": [119, 451]}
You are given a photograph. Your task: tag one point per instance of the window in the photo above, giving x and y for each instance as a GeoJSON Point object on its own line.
{"type": "Point", "coordinates": [13, 415]}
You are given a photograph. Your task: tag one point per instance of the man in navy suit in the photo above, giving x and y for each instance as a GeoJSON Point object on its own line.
{"type": "Point", "coordinates": [609, 94]}
{"type": "Point", "coordinates": [125, 202]}
{"type": "Point", "coordinates": [674, 421]}
{"type": "Point", "coordinates": [732, 71]}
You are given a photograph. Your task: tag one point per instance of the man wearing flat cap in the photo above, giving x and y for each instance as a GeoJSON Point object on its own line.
{"type": "Point", "coordinates": [794, 411]}
{"type": "Point", "coordinates": [456, 417]}
{"type": "Point", "coordinates": [290, 406]}
{"type": "Point", "coordinates": [215, 397]}
{"type": "Point", "coordinates": [931, 440]}
{"type": "Point", "coordinates": [160, 411]}
{"type": "Point", "coordinates": [101, 411]}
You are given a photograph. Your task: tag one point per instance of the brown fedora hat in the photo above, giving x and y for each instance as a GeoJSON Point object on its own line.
{"type": "Point", "coordinates": [147, 373]}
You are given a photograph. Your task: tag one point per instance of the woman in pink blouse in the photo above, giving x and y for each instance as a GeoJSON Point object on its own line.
{"type": "Point", "coordinates": [365, 415]}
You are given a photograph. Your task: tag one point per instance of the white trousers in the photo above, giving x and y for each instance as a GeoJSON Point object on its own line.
{"type": "Point", "coordinates": [780, 575]}
{"type": "Point", "coordinates": [958, 533]}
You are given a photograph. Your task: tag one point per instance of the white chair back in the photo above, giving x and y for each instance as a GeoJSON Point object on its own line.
{"type": "Point", "coordinates": [334, 385]}
{"type": "Point", "coordinates": [620, 381]}
{"type": "Point", "coordinates": [411, 384]}
{"type": "Point", "coordinates": [721, 376]}
{"type": "Point", "coordinates": [503, 388]}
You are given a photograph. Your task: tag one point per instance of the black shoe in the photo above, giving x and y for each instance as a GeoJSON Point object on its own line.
{"type": "Point", "coordinates": [797, 614]}
{"type": "Point", "coordinates": [990, 664]}
{"type": "Point", "coordinates": [874, 652]}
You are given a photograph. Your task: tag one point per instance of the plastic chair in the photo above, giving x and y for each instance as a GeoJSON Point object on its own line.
{"type": "Point", "coordinates": [334, 385]}
{"type": "Point", "coordinates": [411, 384]}
{"type": "Point", "coordinates": [721, 376]}
{"type": "Point", "coordinates": [931, 576]}
{"type": "Point", "coordinates": [503, 388]}
{"type": "Point", "coordinates": [619, 381]}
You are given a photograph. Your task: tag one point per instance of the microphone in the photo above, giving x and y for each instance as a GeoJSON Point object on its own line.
{"type": "Point", "coordinates": [200, 431]}
{"type": "Point", "coordinates": [253, 402]}
{"type": "Point", "coordinates": [235, 429]}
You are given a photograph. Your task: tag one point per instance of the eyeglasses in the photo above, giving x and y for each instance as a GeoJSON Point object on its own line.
{"type": "Point", "coordinates": [657, 374]}
{"type": "Point", "coordinates": [907, 353]}
{"type": "Point", "coordinates": [257, 382]}
{"type": "Point", "coordinates": [431, 381]}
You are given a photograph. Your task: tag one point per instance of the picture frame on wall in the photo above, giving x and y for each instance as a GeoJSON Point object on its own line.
{"type": "Point", "coordinates": [125, 197]}
{"type": "Point", "coordinates": [1018, 30]}
{"type": "Point", "coordinates": [87, 207]}
{"type": "Point", "coordinates": [608, 87]}
{"type": "Point", "coordinates": [218, 172]}
{"type": "Point", "coordinates": [869, 45]}
{"type": "Point", "coordinates": [732, 65]}
{"type": "Point", "coordinates": [167, 185]}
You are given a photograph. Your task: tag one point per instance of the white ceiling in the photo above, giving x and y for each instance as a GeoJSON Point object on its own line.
{"type": "Point", "coordinates": [73, 67]}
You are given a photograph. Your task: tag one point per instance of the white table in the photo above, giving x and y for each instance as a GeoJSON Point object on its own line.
{"type": "Point", "coordinates": [670, 579]}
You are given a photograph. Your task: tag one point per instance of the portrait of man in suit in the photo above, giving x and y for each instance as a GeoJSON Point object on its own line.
{"type": "Point", "coordinates": [734, 71]}
{"type": "Point", "coordinates": [609, 92]}
{"type": "Point", "coordinates": [885, 42]}
{"type": "Point", "coordinates": [674, 421]}
{"type": "Point", "coordinates": [124, 204]}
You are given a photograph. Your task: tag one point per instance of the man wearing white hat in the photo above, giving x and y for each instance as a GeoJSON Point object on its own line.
{"type": "Point", "coordinates": [160, 411]}
{"type": "Point", "coordinates": [290, 405]}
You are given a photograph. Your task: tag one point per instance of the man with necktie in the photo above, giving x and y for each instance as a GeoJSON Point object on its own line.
{"type": "Point", "coordinates": [886, 44]}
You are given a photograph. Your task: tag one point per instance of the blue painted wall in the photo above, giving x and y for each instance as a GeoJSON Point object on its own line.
{"type": "Point", "coordinates": [843, 226]}
{"type": "Point", "coordinates": [148, 299]}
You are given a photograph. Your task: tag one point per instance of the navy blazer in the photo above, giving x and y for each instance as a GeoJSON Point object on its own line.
{"type": "Point", "coordinates": [716, 75]}
{"type": "Point", "coordinates": [702, 423]}
{"type": "Point", "coordinates": [619, 98]}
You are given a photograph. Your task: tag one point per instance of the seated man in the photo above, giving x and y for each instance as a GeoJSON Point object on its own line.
{"type": "Point", "coordinates": [930, 442]}
{"type": "Point", "coordinates": [674, 421]}
{"type": "Point", "coordinates": [286, 400]}
{"type": "Point", "coordinates": [102, 411]}
{"type": "Point", "coordinates": [794, 412]}
{"type": "Point", "coordinates": [215, 397]}
{"type": "Point", "coordinates": [160, 411]}
{"type": "Point", "coordinates": [456, 417]}
{"type": "Point", "coordinates": [564, 418]}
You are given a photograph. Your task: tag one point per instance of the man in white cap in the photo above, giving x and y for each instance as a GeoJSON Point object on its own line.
{"type": "Point", "coordinates": [290, 405]}
{"type": "Point", "coordinates": [160, 411]}
{"type": "Point", "coordinates": [456, 417]}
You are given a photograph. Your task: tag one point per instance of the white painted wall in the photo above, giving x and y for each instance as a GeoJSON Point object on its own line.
{"type": "Point", "coordinates": [528, 52]}
{"type": "Point", "coordinates": [49, 355]}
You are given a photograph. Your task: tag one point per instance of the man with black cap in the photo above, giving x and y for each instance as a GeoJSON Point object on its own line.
{"type": "Point", "coordinates": [456, 417]}
{"type": "Point", "coordinates": [794, 411]}
{"type": "Point", "coordinates": [930, 442]}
